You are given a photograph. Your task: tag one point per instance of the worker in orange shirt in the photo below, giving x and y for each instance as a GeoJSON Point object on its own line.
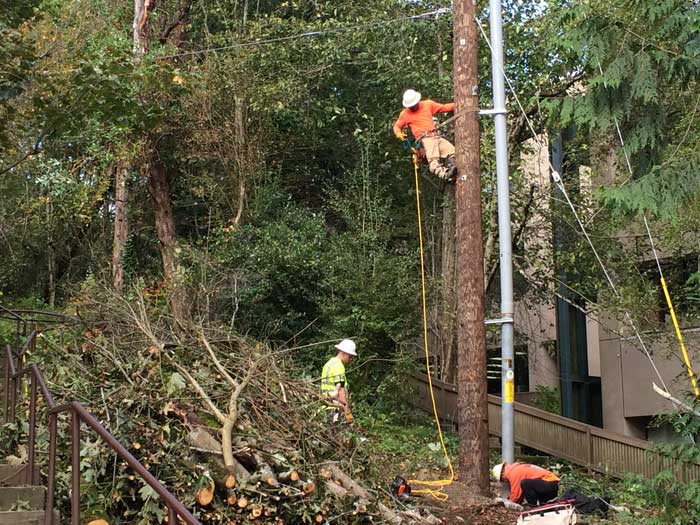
{"type": "Point", "coordinates": [535, 484]}
{"type": "Point", "coordinates": [418, 115]}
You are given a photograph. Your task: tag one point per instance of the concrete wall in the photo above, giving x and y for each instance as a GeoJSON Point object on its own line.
{"type": "Point", "coordinates": [536, 327]}
{"type": "Point", "coordinates": [627, 377]}
{"type": "Point", "coordinates": [535, 322]}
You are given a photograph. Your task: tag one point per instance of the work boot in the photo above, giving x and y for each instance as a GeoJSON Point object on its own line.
{"type": "Point", "coordinates": [451, 169]}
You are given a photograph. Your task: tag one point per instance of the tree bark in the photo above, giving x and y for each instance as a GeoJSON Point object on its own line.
{"type": "Point", "coordinates": [121, 227]}
{"type": "Point", "coordinates": [159, 188]}
{"type": "Point", "coordinates": [139, 41]}
{"type": "Point", "coordinates": [471, 336]}
{"type": "Point", "coordinates": [448, 299]}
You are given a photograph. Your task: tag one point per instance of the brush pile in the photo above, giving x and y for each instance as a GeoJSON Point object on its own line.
{"type": "Point", "coordinates": [227, 424]}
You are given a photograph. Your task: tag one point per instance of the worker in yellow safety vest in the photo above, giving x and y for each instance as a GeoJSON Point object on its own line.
{"type": "Point", "coordinates": [334, 383]}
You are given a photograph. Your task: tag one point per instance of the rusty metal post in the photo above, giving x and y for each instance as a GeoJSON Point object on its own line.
{"type": "Point", "coordinates": [75, 473]}
{"type": "Point", "coordinates": [32, 429]}
{"type": "Point", "coordinates": [51, 475]}
{"type": "Point", "coordinates": [172, 516]}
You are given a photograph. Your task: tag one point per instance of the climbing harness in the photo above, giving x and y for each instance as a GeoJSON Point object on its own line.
{"type": "Point", "coordinates": [434, 488]}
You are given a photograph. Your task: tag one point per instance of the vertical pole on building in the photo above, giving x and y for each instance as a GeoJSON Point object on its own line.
{"type": "Point", "coordinates": [504, 232]}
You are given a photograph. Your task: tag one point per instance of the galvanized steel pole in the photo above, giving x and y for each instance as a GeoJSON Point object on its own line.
{"type": "Point", "coordinates": [504, 233]}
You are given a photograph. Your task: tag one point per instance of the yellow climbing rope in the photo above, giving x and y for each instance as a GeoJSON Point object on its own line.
{"type": "Point", "coordinates": [441, 483]}
{"type": "Point", "coordinates": [679, 336]}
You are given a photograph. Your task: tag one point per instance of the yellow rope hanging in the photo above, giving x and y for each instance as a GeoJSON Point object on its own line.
{"type": "Point", "coordinates": [679, 336]}
{"type": "Point", "coordinates": [441, 483]}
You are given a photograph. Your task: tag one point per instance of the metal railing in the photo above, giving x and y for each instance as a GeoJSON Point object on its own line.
{"type": "Point", "coordinates": [585, 445]}
{"type": "Point", "coordinates": [14, 373]}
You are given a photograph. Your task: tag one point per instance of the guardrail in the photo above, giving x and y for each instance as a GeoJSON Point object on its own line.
{"type": "Point", "coordinates": [585, 445]}
{"type": "Point", "coordinates": [14, 373]}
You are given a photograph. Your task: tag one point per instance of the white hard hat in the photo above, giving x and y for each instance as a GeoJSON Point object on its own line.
{"type": "Point", "coordinates": [411, 97]}
{"type": "Point", "coordinates": [496, 472]}
{"type": "Point", "coordinates": [347, 346]}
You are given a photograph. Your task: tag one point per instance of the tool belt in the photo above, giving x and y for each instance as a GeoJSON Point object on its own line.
{"type": "Point", "coordinates": [432, 133]}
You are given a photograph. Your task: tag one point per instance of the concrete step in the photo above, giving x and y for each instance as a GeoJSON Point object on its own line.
{"type": "Point", "coordinates": [16, 475]}
{"type": "Point", "coordinates": [22, 498]}
{"type": "Point", "coordinates": [27, 517]}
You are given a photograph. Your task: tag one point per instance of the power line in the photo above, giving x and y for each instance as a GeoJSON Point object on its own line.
{"type": "Point", "coordinates": [560, 184]}
{"type": "Point", "coordinates": [332, 31]}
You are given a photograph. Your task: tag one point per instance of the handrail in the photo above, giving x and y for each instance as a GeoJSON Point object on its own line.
{"type": "Point", "coordinates": [586, 445]}
{"type": "Point", "coordinates": [79, 414]}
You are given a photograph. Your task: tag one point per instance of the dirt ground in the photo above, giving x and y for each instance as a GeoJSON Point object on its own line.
{"type": "Point", "coordinates": [462, 507]}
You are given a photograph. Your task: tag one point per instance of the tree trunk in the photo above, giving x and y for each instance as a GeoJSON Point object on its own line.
{"type": "Point", "coordinates": [139, 41]}
{"type": "Point", "coordinates": [159, 188]}
{"type": "Point", "coordinates": [448, 299]}
{"type": "Point", "coordinates": [50, 256]}
{"type": "Point", "coordinates": [121, 226]}
{"type": "Point", "coordinates": [471, 336]}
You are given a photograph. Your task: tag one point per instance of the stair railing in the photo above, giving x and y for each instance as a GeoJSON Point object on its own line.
{"type": "Point", "coordinates": [37, 384]}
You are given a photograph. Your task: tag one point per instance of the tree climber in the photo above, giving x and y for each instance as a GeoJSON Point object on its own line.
{"type": "Point", "coordinates": [418, 115]}
{"type": "Point", "coordinates": [535, 484]}
{"type": "Point", "coordinates": [334, 384]}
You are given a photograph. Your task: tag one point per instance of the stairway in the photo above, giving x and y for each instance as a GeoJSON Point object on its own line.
{"type": "Point", "coordinates": [20, 502]}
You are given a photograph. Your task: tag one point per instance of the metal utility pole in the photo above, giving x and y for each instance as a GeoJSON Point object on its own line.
{"type": "Point", "coordinates": [504, 233]}
{"type": "Point", "coordinates": [471, 335]}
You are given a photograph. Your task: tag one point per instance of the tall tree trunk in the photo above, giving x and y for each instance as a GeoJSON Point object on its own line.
{"type": "Point", "coordinates": [158, 183]}
{"type": "Point", "coordinates": [139, 40]}
{"type": "Point", "coordinates": [159, 188]}
{"type": "Point", "coordinates": [472, 403]}
{"type": "Point", "coordinates": [50, 256]}
{"type": "Point", "coordinates": [121, 226]}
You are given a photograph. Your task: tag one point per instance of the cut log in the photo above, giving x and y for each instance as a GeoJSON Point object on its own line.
{"type": "Point", "coordinates": [309, 487]}
{"type": "Point", "coordinates": [230, 481]}
{"type": "Point", "coordinates": [256, 511]}
{"type": "Point", "coordinates": [265, 472]}
{"type": "Point", "coordinates": [319, 518]}
{"type": "Point", "coordinates": [242, 502]}
{"type": "Point", "coordinates": [290, 476]}
{"type": "Point", "coordinates": [204, 442]}
{"type": "Point", "coordinates": [358, 490]}
{"type": "Point", "coordinates": [337, 490]}
{"type": "Point", "coordinates": [230, 498]}
{"type": "Point", "coordinates": [206, 494]}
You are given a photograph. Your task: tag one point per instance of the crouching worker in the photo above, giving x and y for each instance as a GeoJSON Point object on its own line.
{"type": "Point", "coordinates": [530, 482]}
{"type": "Point", "coordinates": [334, 384]}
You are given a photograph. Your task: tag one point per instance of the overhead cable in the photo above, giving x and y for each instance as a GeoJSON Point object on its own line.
{"type": "Point", "coordinates": [331, 31]}
{"type": "Point", "coordinates": [560, 184]}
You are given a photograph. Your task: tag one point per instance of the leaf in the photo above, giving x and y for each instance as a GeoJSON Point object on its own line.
{"type": "Point", "coordinates": [175, 383]}
{"type": "Point", "coordinates": [147, 492]}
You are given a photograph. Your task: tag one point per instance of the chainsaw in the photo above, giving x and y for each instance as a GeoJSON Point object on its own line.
{"type": "Point", "coordinates": [400, 489]}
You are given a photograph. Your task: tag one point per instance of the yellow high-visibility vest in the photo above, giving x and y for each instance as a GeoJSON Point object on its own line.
{"type": "Point", "coordinates": [332, 374]}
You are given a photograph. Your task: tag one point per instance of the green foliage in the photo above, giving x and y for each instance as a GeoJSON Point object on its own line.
{"type": "Point", "coordinates": [548, 398]}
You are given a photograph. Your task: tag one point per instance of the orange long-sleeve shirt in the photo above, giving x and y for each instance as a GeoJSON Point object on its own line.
{"type": "Point", "coordinates": [421, 120]}
{"type": "Point", "coordinates": [514, 473]}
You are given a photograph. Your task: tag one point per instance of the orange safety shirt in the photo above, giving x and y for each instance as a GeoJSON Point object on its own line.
{"type": "Point", "coordinates": [421, 120]}
{"type": "Point", "coordinates": [514, 473]}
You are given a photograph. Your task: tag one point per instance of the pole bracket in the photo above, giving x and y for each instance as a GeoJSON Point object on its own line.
{"type": "Point", "coordinates": [502, 320]}
{"type": "Point", "coordinates": [493, 111]}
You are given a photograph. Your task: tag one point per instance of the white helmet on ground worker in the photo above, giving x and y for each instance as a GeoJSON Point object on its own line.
{"type": "Point", "coordinates": [347, 346]}
{"type": "Point", "coordinates": [496, 472]}
{"type": "Point", "coordinates": [411, 97]}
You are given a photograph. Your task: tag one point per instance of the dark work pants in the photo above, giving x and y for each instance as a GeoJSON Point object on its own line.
{"type": "Point", "coordinates": [538, 492]}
